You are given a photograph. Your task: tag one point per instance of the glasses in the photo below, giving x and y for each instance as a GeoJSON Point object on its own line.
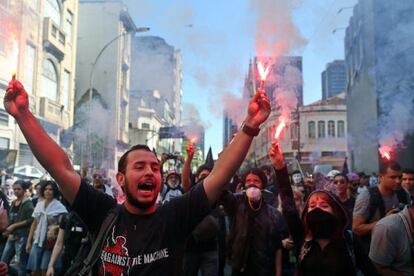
{"type": "Point", "coordinates": [339, 182]}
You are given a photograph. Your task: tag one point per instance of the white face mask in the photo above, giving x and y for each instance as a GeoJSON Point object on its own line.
{"type": "Point", "coordinates": [296, 178]}
{"type": "Point", "coordinates": [173, 183]}
{"type": "Point", "coordinates": [254, 194]}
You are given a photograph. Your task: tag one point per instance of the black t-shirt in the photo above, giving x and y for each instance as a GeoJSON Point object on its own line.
{"type": "Point", "coordinates": [142, 244]}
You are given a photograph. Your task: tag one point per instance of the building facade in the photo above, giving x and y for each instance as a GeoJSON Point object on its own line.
{"type": "Point", "coordinates": [157, 66]}
{"type": "Point", "coordinates": [229, 129]}
{"type": "Point", "coordinates": [103, 83]}
{"type": "Point", "coordinates": [379, 76]}
{"type": "Point", "coordinates": [333, 79]}
{"type": "Point", "coordinates": [38, 42]}
{"type": "Point", "coordinates": [148, 112]}
{"type": "Point", "coordinates": [315, 136]}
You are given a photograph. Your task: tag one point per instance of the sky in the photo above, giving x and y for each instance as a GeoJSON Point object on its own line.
{"type": "Point", "coordinates": [217, 38]}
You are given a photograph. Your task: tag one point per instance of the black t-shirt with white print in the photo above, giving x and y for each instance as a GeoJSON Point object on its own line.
{"type": "Point", "coordinates": [142, 244]}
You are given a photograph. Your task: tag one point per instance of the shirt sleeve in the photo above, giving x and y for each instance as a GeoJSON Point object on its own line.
{"type": "Point", "coordinates": [188, 210]}
{"type": "Point", "coordinates": [92, 206]}
{"type": "Point", "coordinates": [362, 204]}
{"type": "Point", "coordinates": [63, 222]}
{"type": "Point", "coordinates": [383, 242]}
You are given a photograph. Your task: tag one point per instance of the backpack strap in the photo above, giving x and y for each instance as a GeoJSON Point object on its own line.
{"type": "Point", "coordinates": [94, 253]}
{"type": "Point", "coordinates": [375, 202]}
{"type": "Point", "coordinates": [407, 228]}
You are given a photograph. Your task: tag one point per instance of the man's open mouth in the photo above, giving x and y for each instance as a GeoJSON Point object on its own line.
{"type": "Point", "coordinates": [146, 186]}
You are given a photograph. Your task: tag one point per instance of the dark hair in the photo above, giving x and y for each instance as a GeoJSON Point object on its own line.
{"type": "Point", "coordinates": [339, 212]}
{"type": "Point", "coordinates": [408, 171]}
{"type": "Point", "coordinates": [343, 175]}
{"type": "Point", "coordinates": [123, 160]}
{"type": "Point", "coordinates": [258, 172]}
{"type": "Point", "coordinates": [45, 183]}
{"type": "Point", "coordinates": [22, 183]}
{"type": "Point", "coordinates": [202, 168]}
{"type": "Point", "coordinates": [384, 166]}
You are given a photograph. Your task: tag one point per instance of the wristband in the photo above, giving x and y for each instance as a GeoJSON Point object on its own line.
{"type": "Point", "coordinates": [249, 130]}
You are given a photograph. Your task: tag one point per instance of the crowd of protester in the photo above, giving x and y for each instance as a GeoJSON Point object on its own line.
{"type": "Point", "coordinates": [210, 220]}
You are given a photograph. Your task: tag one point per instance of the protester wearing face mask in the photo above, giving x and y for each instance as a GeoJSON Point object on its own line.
{"type": "Point", "coordinates": [320, 233]}
{"type": "Point", "coordinates": [255, 230]}
{"type": "Point", "coordinates": [172, 187]}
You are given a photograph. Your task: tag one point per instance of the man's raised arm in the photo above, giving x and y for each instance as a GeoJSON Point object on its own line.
{"type": "Point", "coordinates": [186, 173]}
{"type": "Point", "coordinates": [233, 156]}
{"type": "Point", "coordinates": [47, 152]}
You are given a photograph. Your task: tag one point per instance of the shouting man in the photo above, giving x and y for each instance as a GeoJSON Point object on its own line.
{"type": "Point", "coordinates": [144, 238]}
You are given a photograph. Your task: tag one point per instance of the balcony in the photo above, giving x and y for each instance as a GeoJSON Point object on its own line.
{"type": "Point", "coordinates": [50, 110]}
{"type": "Point", "coordinates": [54, 39]}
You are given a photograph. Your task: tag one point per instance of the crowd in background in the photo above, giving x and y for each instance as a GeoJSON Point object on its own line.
{"type": "Point", "coordinates": [250, 230]}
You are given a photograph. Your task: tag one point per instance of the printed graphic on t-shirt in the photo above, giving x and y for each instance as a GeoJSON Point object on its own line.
{"type": "Point", "coordinates": [117, 261]}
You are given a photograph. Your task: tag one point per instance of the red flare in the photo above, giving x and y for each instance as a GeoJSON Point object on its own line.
{"type": "Point", "coordinates": [193, 140]}
{"type": "Point", "coordinates": [279, 128]}
{"type": "Point", "coordinates": [263, 71]}
{"type": "Point", "coordinates": [385, 152]}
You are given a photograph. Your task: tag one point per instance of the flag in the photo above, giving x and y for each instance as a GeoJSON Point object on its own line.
{"type": "Point", "coordinates": [209, 159]}
{"type": "Point", "coordinates": [345, 169]}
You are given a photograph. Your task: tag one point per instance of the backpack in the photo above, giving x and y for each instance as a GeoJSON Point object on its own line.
{"type": "Point", "coordinates": [89, 253]}
{"type": "Point", "coordinates": [376, 201]}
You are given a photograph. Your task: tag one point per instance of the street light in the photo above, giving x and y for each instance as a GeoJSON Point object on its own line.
{"type": "Point", "coordinates": [91, 75]}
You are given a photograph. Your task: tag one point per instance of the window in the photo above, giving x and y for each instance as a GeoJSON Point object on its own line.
{"type": "Point", "coordinates": [341, 129]}
{"type": "Point", "coordinates": [52, 10]}
{"type": "Point", "coordinates": [65, 89]}
{"type": "Point", "coordinates": [69, 26]}
{"type": "Point", "coordinates": [311, 129]}
{"type": "Point", "coordinates": [49, 80]}
{"type": "Point", "coordinates": [4, 143]}
{"type": "Point", "coordinates": [294, 131]}
{"type": "Point", "coordinates": [4, 117]}
{"type": "Point", "coordinates": [145, 126]}
{"type": "Point", "coordinates": [321, 129]}
{"type": "Point", "coordinates": [331, 129]}
{"type": "Point", "coordinates": [25, 155]}
{"type": "Point", "coordinates": [29, 67]}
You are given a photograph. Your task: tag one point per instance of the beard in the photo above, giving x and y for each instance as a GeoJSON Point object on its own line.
{"type": "Point", "coordinates": [135, 202]}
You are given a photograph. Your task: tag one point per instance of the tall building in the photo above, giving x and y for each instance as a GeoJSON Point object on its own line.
{"type": "Point", "coordinates": [229, 129]}
{"type": "Point", "coordinates": [102, 94]}
{"type": "Point", "coordinates": [379, 81]}
{"type": "Point", "coordinates": [333, 79]}
{"type": "Point", "coordinates": [156, 66]}
{"type": "Point", "coordinates": [38, 42]}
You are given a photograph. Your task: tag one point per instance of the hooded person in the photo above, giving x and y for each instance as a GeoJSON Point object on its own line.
{"type": "Point", "coordinates": [254, 239]}
{"type": "Point", "coordinates": [319, 233]}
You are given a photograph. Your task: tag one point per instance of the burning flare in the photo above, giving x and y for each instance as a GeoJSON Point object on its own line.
{"type": "Point", "coordinates": [193, 140]}
{"type": "Point", "coordinates": [263, 71]}
{"type": "Point", "coordinates": [279, 128]}
{"type": "Point", "coordinates": [385, 152]}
